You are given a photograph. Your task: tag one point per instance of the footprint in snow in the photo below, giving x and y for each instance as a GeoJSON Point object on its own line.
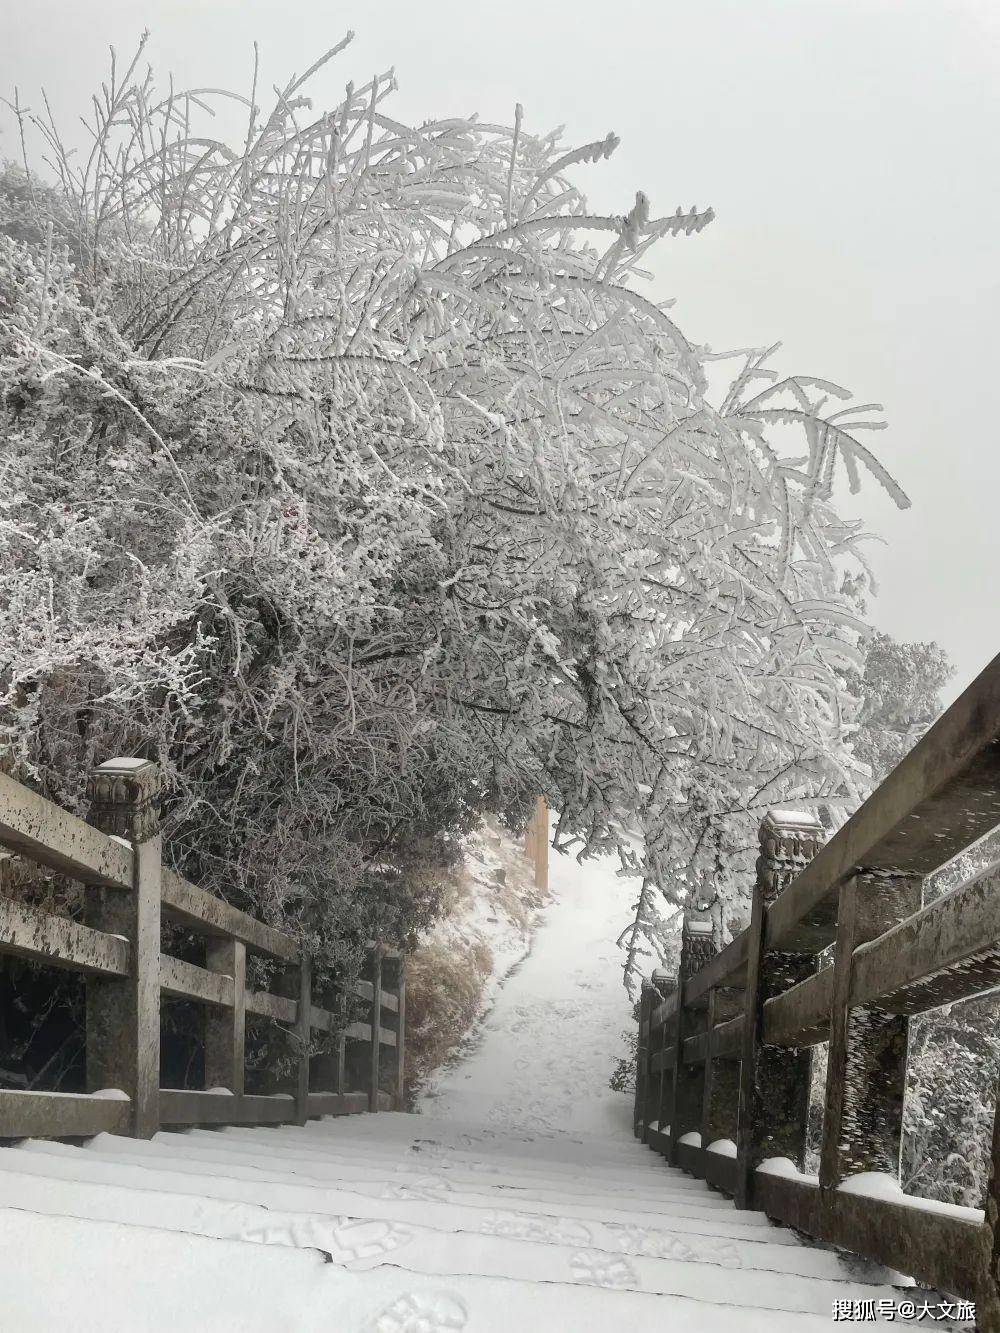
{"type": "Point", "coordinates": [597, 1269]}
{"type": "Point", "coordinates": [420, 1312]}
{"type": "Point", "coordinates": [344, 1240]}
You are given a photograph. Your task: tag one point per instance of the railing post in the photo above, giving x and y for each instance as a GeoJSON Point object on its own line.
{"type": "Point", "coordinates": [327, 1066]}
{"type": "Point", "coordinates": [988, 1293]}
{"type": "Point", "coordinates": [303, 1037]}
{"type": "Point", "coordinates": [720, 1107]}
{"type": "Point", "coordinates": [225, 1029]}
{"type": "Point", "coordinates": [774, 1082]}
{"type": "Point", "coordinates": [642, 1063]}
{"type": "Point", "coordinates": [697, 947]}
{"type": "Point", "coordinates": [401, 1038]}
{"type": "Point", "coordinates": [394, 978]}
{"type": "Point", "coordinates": [866, 1070]}
{"type": "Point", "coordinates": [374, 1074]}
{"type": "Point", "coordinates": [123, 1014]}
{"type": "Point", "coordinates": [662, 1082]}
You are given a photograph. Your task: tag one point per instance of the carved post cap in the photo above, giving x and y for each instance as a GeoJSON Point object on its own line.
{"type": "Point", "coordinates": [123, 795]}
{"type": "Point", "coordinates": [789, 839]}
{"type": "Point", "coordinates": [697, 940]}
{"type": "Point", "coordinates": [796, 833]}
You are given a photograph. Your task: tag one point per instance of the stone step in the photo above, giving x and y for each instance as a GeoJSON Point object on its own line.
{"type": "Point", "coordinates": [221, 1154]}
{"type": "Point", "coordinates": [430, 1155]}
{"type": "Point", "coordinates": [445, 1211]}
{"type": "Point", "coordinates": [680, 1268]}
{"type": "Point", "coordinates": [110, 1277]}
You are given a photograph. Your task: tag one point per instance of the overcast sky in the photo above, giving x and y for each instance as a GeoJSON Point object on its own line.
{"type": "Point", "coordinates": [848, 147]}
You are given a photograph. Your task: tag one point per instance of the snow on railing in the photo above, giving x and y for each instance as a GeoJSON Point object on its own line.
{"type": "Point", "coordinates": [724, 1049]}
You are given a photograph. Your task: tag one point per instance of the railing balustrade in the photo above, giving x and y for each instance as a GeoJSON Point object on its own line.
{"type": "Point", "coordinates": [128, 891]}
{"type": "Point", "coordinates": [723, 1065]}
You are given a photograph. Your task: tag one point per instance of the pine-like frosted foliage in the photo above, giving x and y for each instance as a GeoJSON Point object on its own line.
{"type": "Point", "coordinates": [349, 472]}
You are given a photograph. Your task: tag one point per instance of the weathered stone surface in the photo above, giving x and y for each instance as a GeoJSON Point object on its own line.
{"type": "Point", "coordinates": [51, 837]}
{"type": "Point", "coordinates": [211, 916]}
{"type": "Point", "coordinates": [942, 797]}
{"type": "Point", "coordinates": [720, 1107]}
{"type": "Point", "coordinates": [28, 932]}
{"type": "Point", "coordinates": [54, 1115]}
{"type": "Point", "coordinates": [774, 1082]}
{"type": "Point", "coordinates": [123, 1014]}
{"type": "Point", "coordinates": [225, 1029]}
{"type": "Point", "coordinates": [688, 1100]}
{"type": "Point", "coordinates": [866, 1069]}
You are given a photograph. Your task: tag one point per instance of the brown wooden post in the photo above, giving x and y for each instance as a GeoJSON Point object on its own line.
{"type": "Point", "coordinates": [303, 1037]}
{"type": "Point", "coordinates": [697, 947]}
{"type": "Point", "coordinates": [536, 843]}
{"type": "Point", "coordinates": [774, 1082]}
{"type": "Point", "coordinates": [123, 1013]}
{"type": "Point", "coordinates": [225, 1029]}
{"type": "Point", "coordinates": [542, 844]}
{"type": "Point", "coordinates": [720, 1108]}
{"type": "Point", "coordinates": [374, 1074]}
{"type": "Point", "coordinates": [866, 1071]}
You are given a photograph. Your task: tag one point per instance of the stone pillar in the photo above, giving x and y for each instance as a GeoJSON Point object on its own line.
{"type": "Point", "coordinates": [662, 1081]}
{"type": "Point", "coordinates": [303, 1037]}
{"type": "Point", "coordinates": [123, 1013]}
{"type": "Point", "coordinates": [225, 1029]}
{"type": "Point", "coordinates": [774, 1082]}
{"type": "Point", "coordinates": [327, 1066]}
{"type": "Point", "coordinates": [642, 1062]}
{"type": "Point", "coordinates": [720, 1109]}
{"type": "Point", "coordinates": [697, 948]}
{"type": "Point", "coordinates": [375, 1067]}
{"type": "Point", "coordinates": [866, 1071]}
{"type": "Point", "coordinates": [988, 1293]}
{"type": "Point", "coordinates": [394, 982]}
{"type": "Point", "coordinates": [362, 1058]}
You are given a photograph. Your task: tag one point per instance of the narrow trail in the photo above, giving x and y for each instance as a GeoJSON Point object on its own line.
{"type": "Point", "coordinates": [547, 1047]}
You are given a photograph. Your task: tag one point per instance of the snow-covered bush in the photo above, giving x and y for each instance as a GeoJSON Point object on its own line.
{"type": "Point", "coordinates": [348, 474]}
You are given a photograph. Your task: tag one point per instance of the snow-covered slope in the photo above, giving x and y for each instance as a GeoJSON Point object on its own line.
{"type": "Point", "coordinates": [549, 1043]}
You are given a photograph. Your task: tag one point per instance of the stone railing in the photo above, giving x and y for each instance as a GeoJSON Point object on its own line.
{"type": "Point", "coordinates": [128, 891]}
{"type": "Point", "coordinates": [723, 1073]}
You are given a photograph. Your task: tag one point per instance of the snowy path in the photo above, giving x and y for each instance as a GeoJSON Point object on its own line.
{"type": "Point", "coordinates": [390, 1224]}
{"type": "Point", "coordinates": [518, 1200]}
{"type": "Point", "coordinates": [550, 1043]}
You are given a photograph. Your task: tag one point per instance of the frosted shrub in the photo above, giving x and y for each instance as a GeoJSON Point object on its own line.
{"type": "Point", "coordinates": [349, 475]}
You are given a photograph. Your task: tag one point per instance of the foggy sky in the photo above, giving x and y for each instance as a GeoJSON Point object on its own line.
{"type": "Point", "coordinates": [849, 148]}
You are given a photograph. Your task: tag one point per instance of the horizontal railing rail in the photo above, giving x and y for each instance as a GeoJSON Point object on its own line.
{"type": "Point", "coordinates": [840, 949]}
{"type": "Point", "coordinates": [128, 893]}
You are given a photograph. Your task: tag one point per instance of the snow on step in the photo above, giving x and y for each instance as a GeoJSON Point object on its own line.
{"type": "Point", "coordinates": [431, 1146]}
{"type": "Point", "coordinates": [152, 1281]}
{"type": "Point", "coordinates": [419, 1245]}
{"type": "Point", "coordinates": [257, 1191]}
{"type": "Point", "coordinates": [442, 1210]}
{"type": "Point", "coordinates": [470, 1188]}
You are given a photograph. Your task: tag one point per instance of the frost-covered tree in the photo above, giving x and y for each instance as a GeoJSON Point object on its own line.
{"type": "Point", "coordinates": [349, 474]}
{"type": "Point", "coordinates": [900, 692]}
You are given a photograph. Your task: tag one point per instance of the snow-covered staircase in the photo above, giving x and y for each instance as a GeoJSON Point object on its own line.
{"type": "Point", "coordinates": [392, 1224]}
